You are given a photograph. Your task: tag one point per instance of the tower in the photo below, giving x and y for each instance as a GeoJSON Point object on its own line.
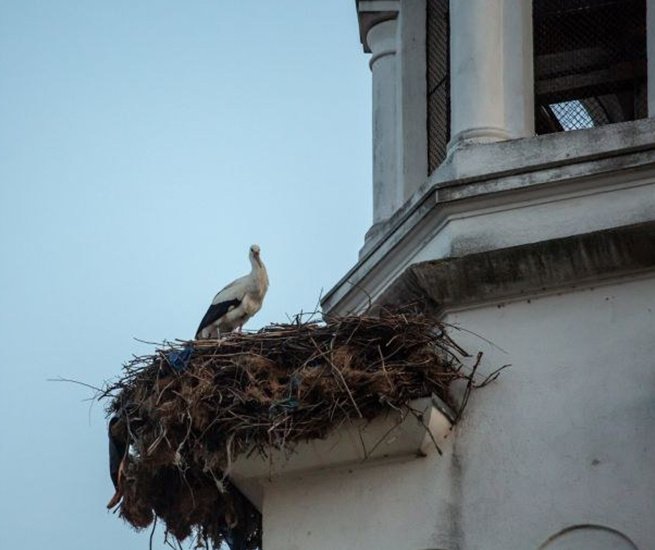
{"type": "Point", "coordinates": [514, 198]}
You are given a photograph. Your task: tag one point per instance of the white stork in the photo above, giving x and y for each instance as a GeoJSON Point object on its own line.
{"type": "Point", "coordinates": [237, 302]}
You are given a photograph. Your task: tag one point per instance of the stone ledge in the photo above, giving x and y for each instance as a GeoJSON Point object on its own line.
{"type": "Point", "coordinates": [470, 161]}
{"type": "Point", "coordinates": [518, 162]}
{"type": "Point", "coordinates": [524, 270]}
{"type": "Point", "coordinates": [359, 444]}
{"type": "Point", "coordinates": [623, 162]}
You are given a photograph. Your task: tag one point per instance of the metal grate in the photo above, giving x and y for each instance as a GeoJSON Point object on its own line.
{"type": "Point", "coordinates": [589, 63]}
{"type": "Point", "coordinates": [438, 79]}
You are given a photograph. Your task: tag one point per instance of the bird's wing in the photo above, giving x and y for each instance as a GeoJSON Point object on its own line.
{"type": "Point", "coordinates": [117, 449]}
{"type": "Point", "coordinates": [234, 291]}
{"type": "Point", "coordinates": [226, 299]}
{"type": "Point", "coordinates": [215, 312]}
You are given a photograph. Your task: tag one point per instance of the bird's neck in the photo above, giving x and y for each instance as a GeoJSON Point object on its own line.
{"type": "Point", "coordinates": [254, 265]}
{"type": "Point", "coordinates": [259, 271]}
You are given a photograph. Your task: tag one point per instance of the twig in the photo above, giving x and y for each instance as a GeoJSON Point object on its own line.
{"type": "Point", "coordinates": [152, 532]}
{"type": "Point", "coordinates": [60, 379]}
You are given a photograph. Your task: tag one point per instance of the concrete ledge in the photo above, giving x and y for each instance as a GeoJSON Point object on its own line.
{"type": "Point", "coordinates": [360, 444]}
{"type": "Point", "coordinates": [525, 162]}
{"type": "Point", "coordinates": [471, 160]}
{"type": "Point", "coordinates": [540, 170]}
{"type": "Point", "coordinates": [524, 270]}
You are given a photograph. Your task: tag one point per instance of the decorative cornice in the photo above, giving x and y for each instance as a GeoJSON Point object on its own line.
{"type": "Point", "coordinates": [539, 170]}
{"type": "Point", "coordinates": [524, 270]}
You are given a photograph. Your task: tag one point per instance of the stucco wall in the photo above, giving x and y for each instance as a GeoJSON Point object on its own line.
{"type": "Point", "coordinates": [566, 437]}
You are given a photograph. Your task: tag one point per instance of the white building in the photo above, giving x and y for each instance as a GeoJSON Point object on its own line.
{"type": "Point", "coordinates": [489, 214]}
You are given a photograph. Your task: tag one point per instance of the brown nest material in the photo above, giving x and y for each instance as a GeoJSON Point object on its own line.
{"type": "Point", "coordinates": [192, 407]}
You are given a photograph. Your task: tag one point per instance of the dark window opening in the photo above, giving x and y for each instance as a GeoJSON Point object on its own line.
{"type": "Point", "coordinates": [589, 63]}
{"type": "Point", "coordinates": [438, 80]}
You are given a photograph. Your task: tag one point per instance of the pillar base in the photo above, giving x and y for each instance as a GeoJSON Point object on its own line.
{"type": "Point", "coordinates": [485, 134]}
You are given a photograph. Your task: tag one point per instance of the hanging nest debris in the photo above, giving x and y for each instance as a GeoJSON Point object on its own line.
{"type": "Point", "coordinates": [188, 410]}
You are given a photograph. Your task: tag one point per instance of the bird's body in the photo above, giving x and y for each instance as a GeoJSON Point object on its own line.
{"type": "Point", "coordinates": [237, 302]}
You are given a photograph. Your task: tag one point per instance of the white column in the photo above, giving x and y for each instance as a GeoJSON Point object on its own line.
{"type": "Point", "coordinates": [412, 94]}
{"type": "Point", "coordinates": [650, 53]}
{"type": "Point", "coordinates": [387, 193]}
{"type": "Point", "coordinates": [476, 72]}
{"type": "Point", "coordinates": [518, 66]}
{"type": "Point", "coordinates": [491, 70]}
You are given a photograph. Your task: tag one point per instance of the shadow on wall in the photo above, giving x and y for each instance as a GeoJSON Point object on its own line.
{"type": "Point", "coordinates": [588, 537]}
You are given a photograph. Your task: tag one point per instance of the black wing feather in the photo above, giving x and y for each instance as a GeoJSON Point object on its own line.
{"type": "Point", "coordinates": [117, 451]}
{"type": "Point", "coordinates": [216, 311]}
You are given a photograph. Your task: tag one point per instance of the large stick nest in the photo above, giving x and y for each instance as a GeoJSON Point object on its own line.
{"type": "Point", "coordinates": [188, 410]}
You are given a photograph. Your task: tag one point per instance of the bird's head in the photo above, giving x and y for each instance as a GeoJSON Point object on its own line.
{"type": "Point", "coordinates": [254, 254]}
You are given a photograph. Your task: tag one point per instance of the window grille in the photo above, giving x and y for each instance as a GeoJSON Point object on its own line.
{"type": "Point", "coordinates": [438, 81]}
{"type": "Point", "coordinates": [589, 63]}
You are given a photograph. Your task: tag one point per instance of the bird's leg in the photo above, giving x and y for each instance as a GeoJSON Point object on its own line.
{"type": "Point", "coordinates": [118, 495]}
{"type": "Point", "coordinates": [121, 478]}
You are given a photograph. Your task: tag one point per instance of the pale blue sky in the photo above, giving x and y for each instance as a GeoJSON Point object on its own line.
{"type": "Point", "coordinates": [144, 145]}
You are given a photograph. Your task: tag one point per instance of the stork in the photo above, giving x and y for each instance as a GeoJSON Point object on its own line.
{"type": "Point", "coordinates": [237, 302]}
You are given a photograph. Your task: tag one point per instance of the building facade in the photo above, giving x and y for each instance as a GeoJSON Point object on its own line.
{"type": "Point", "coordinates": [513, 198]}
